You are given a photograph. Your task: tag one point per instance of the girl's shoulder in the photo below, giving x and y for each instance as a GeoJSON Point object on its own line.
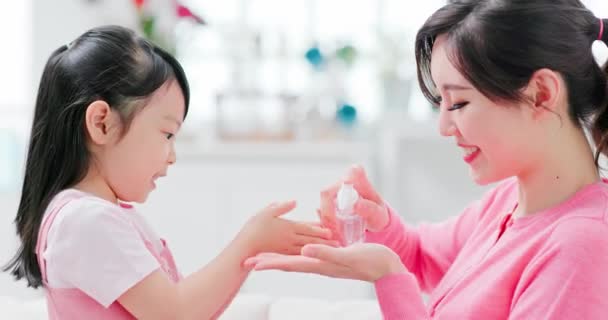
{"type": "Point", "coordinates": [89, 234]}
{"type": "Point", "coordinates": [85, 215]}
{"type": "Point", "coordinates": [77, 212]}
{"type": "Point", "coordinates": [77, 197]}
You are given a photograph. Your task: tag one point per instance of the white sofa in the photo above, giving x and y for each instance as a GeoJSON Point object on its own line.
{"type": "Point", "coordinates": [244, 307]}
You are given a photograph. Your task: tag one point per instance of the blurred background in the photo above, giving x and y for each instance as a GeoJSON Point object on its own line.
{"type": "Point", "coordinates": [286, 95]}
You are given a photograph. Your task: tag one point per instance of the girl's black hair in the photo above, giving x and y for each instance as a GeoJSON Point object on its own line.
{"type": "Point", "coordinates": [108, 63]}
{"type": "Point", "coordinates": [497, 45]}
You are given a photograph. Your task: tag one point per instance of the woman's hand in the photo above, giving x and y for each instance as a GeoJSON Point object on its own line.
{"type": "Point", "coordinates": [267, 231]}
{"type": "Point", "coordinates": [370, 205]}
{"type": "Point", "coordinates": [362, 261]}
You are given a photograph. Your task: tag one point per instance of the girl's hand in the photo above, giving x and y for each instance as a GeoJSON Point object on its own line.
{"type": "Point", "coordinates": [268, 232]}
{"type": "Point", "coordinates": [362, 261]}
{"type": "Point", "coordinates": [370, 205]}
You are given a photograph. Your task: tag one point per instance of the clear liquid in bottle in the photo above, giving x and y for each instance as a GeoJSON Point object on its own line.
{"type": "Point", "coordinates": [350, 225]}
{"type": "Point", "coordinates": [352, 229]}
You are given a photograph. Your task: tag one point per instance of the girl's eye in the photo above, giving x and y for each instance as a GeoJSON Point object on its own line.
{"type": "Point", "coordinates": [169, 136]}
{"type": "Point", "coordinates": [457, 106]}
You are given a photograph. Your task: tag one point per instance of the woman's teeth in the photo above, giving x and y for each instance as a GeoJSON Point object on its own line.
{"type": "Point", "coordinates": [470, 150]}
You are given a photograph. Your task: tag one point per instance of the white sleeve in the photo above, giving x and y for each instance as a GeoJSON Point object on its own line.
{"type": "Point", "coordinates": [94, 247]}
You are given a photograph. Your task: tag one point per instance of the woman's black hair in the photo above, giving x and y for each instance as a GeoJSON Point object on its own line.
{"type": "Point", "coordinates": [108, 63]}
{"type": "Point", "coordinates": [497, 45]}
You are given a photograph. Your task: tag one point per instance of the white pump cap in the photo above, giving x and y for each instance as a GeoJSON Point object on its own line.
{"type": "Point", "coordinates": [346, 198]}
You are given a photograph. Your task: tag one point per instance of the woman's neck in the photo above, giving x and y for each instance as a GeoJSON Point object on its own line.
{"type": "Point", "coordinates": [569, 166]}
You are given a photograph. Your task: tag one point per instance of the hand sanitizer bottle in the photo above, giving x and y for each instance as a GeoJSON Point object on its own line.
{"type": "Point", "coordinates": [350, 224]}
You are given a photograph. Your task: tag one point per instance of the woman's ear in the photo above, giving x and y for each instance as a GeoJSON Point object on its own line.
{"type": "Point", "coordinates": [101, 122]}
{"type": "Point", "coordinates": [544, 91]}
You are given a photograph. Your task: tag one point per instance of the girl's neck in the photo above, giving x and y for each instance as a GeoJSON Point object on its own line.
{"type": "Point", "coordinates": [93, 183]}
{"type": "Point", "coordinates": [566, 170]}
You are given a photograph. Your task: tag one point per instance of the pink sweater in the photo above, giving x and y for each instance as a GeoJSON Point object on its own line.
{"type": "Point", "coordinates": [482, 264]}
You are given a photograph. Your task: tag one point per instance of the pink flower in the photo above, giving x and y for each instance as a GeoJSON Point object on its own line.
{"type": "Point", "coordinates": [139, 3]}
{"type": "Point", "coordinates": [185, 12]}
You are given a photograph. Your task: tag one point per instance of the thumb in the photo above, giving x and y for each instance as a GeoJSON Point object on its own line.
{"type": "Point", "coordinates": [358, 178]}
{"type": "Point", "coordinates": [375, 216]}
{"type": "Point", "coordinates": [279, 209]}
{"type": "Point", "coordinates": [326, 253]}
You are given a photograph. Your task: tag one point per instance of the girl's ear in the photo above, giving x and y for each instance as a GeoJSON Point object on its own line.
{"type": "Point", "coordinates": [101, 122]}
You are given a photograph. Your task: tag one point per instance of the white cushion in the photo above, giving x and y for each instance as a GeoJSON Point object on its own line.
{"type": "Point", "coordinates": [12, 308]}
{"type": "Point", "coordinates": [244, 306]}
{"type": "Point", "coordinates": [305, 309]}
{"type": "Point", "coordinates": [248, 306]}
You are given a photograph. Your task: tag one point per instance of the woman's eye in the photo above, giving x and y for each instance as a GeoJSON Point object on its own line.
{"type": "Point", "coordinates": [169, 136]}
{"type": "Point", "coordinates": [457, 106]}
{"type": "Point", "coordinates": [436, 102]}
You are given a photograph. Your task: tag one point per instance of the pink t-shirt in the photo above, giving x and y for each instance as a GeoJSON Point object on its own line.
{"type": "Point", "coordinates": [96, 246]}
{"type": "Point", "coordinates": [482, 264]}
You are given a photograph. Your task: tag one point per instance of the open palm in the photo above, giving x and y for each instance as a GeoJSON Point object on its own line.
{"type": "Point", "coordinates": [363, 261]}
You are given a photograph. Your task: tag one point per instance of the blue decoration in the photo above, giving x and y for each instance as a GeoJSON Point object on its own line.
{"type": "Point", "coordinates": [346, 114]}
{"type": "Point", "coordinates": [315, 57]}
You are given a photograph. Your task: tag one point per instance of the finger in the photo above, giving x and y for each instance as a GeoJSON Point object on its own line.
{"type": "Point", "coordinates": [294, 250]}
{"type": "Point", "coordinates": [249, 264]}
{"type": "Point", "coordinates": [328, 197]}
{"type": "Point", "coordinates": [286, 263]}
{"type": "Point", "coordinates": [305, 229]}
{"type": "Point", "coordinates": [368, 209]}
{"type": "Point", "coordinates": [288, 248]}
{"type": "Point", "coordinates": [326, 221]}
{"type": "Point", "coordinates": [331, 225]}
{"type": "Point", "coordinates": [252, 261]}
{"type": "Point", "coordinates": [304, 240]}
{"type": "Point", "coordinates": [332, 190]}
{"type": "Point", "coordinates": [333, 255]}
{"type": "Point", "coordinates": [266, 255]}
{"type": "Point", "coordinates": [358, 178]}
{"type": "Point", "coordinates": [279, 209]}
{"type": "Point", "coordinates": [375, 216]}
{"type": "Point", "coordinates": [304, 265]}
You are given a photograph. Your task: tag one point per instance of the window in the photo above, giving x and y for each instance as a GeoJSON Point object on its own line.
{"type": "Point", "coordinates": [15, 89]}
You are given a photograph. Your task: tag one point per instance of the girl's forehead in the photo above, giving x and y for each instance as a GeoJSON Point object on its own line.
{"type": "Point", "coordinates": [167, 100]}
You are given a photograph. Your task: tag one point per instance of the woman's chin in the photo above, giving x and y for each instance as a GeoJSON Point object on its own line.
{"type": "Point", "coordinates": [481, 177]}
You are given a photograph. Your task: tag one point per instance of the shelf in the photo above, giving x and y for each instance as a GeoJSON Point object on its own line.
{"type": "Point", "coordinates": [282, 151]}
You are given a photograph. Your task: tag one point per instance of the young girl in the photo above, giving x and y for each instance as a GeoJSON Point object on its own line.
{"type": "Point", "coordinates": [516, 86]}
{"type": "Point", "coordinates": [108, 109]}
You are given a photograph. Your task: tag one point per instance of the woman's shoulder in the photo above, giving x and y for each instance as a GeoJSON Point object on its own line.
{"type": "Point", "coordinates": [583, 225]}
{"type": "Point", "coordinates": [498, 200]}
{"type": "Point", "coordinates": [588, 204]}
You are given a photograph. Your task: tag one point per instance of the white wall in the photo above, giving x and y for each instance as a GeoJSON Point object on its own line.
{"type": "Point", "coordinates": [15, 28]}
{"type": "Point", "coordinates": [422, 176]}
{"type": "Point", "coordinates": [58, 22]}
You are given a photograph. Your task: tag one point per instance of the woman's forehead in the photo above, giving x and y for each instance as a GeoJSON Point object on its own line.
{"type": "Point", "coordinates": [442, 69]}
